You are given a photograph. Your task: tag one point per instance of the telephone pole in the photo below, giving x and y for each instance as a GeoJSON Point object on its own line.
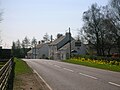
{"type": "Point", "coordinates": [70, 41]}
{"type": "Point", "coordinates": [35, 49]}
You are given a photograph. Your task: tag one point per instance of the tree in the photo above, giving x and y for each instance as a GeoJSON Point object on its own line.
{"type": "Point", "coordinates": [16, 49]}
{"type": "Point", "coordinates": [13, 49]}
{"type": "Point", "coordinates": [115, 5]}
{"type": "Point", "coordinates": [98, 28]}
{"type": "Point", "coordinates": [26, 42]}
{"type": "Point", "coordinates": [107, 27]}
{"type": "Point", "coordinates": [46, 38]}
{"type": "Point", "coordinates": [92, 22]}
{"type": "Point", "coordinates": [25, 46]}
{"type": "Point", "coordinates": [34, 42]}
{"type": "Point", "coordinates": [18, 44]}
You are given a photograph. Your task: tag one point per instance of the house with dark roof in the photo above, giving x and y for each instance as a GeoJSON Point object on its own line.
{"type": "Point", "coordinates": [77, 48]}
{"type": "Point", "coordinates": [59, 49]}
{"type": "Point", "coordinates": [57, 44]}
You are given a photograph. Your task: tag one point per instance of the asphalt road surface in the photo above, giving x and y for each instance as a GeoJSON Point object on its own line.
{"type": "Point", "coordinates": [65, 76]}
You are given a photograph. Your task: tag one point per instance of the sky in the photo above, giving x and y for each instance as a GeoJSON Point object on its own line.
{"type": "Point", "coordinates": [34, 18]}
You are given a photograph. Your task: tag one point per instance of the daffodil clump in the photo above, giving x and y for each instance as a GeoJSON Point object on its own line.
{"type": "Point", "coordinates": [96, 61]}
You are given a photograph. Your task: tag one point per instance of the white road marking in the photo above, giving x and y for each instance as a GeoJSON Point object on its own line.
{"type": "Point", "coordinates": [57, 66]}
{"type": "Point", "coordinates": [43, 80]}
{"type": "Point", "coordinates": [88, 76]}
{"type": "Point", "coordinates": [114, 84]}
{"type": "Point", "coordinates": [50, 64]}
{"type": "Point", "coordinates": [68, 69]}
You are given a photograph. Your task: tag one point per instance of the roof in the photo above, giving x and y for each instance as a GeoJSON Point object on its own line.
{"type": "Point", "coordinates": [29, 51]}
{"type": "Point", "coordinates": [67, 45]}
{"type": "Point", "coordinates": [40, 45]}
{"type": "Point", "coordinates": [55, 42]}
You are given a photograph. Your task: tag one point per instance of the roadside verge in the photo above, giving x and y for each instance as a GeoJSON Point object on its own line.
{"type": "Point", "coordinates": [26, 79]}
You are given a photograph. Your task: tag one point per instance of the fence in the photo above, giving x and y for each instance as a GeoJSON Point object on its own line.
{"type": "Point", "coordinates": [5, 74]}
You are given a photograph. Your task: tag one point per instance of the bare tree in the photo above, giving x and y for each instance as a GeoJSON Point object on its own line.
{"type": "Point", "coordinates": [46, 38]}
{"type": "Point", "coordinates": [18, 44]}
{"type": "Point", "coordinates": [25, 45]}
{"type": "Point", "coordinates": [16, 48]}
{"type": "Point", "coordinates": [116, 21]}
{"type": "Point", "coordinates": [26, 42]}
{"type": "Point", "coordinates": [92, 21]}
{"type": "Point", "coordinates": [34, 41]}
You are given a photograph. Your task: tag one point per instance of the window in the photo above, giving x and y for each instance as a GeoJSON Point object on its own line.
{"type": "Point", "coordinates": [78, 44]}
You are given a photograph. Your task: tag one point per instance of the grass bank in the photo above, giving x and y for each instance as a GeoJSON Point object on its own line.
{"type": "Point", "coordinates": [21, 67]}
{"type": "Point", "coordinates": [22, 73]}
{"type": "Point", "coordinates": [94, 64]}
{"type": "Point", "coordinates": [25, 79]}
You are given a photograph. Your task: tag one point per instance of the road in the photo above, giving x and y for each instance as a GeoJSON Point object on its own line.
{"type": "Point", "coordinates": [65, 76]}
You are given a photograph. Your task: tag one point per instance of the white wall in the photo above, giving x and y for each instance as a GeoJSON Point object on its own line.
{"type": "Point", "coordinates": [44, 50]}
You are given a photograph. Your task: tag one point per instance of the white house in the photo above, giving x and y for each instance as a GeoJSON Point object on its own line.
{"type": "Point", "coordinates": [39, 51]}
{"type": "Point", "coordinates": [59, 49]}
{"type": "Point", "coordinates": [77, 48]}
{"type": "Point", "coordinates": [57, 44]}
{"type": "Point", "coordinates": [29, 54]}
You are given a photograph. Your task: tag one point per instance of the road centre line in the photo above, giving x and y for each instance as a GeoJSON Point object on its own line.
{"type": "Point", "coordinates": [57, 66]}
{"type": "Point", "coordinates": [68, 69]}
{"type": "Point", "coordinates": [88, 76]}
{"type": "Point", "coordinates": [43, 80]}
{"type": "Point", "coordinates": [50, 64]}
{"type": "Point", "coordinates": [114, 84]}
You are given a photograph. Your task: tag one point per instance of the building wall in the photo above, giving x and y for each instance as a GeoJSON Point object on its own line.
{"type": "Point", "coordinates": [43, 52]}
{"type": "Point", "coordinates": [34, 52]}
{"type": "Point", "coordinates": [81, 50]}
{"type": "Point", "coordinates": [65, 54]}
{"type": "Point", "coordinates": [52, 51]}
{"type": "Point", "coordinates": [62, 49]}
{"type": "Point", "coordinates": [29, 56]}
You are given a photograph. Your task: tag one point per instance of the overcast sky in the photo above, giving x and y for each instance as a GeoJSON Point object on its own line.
{"type": "Point", "coordinates": [34, 18]}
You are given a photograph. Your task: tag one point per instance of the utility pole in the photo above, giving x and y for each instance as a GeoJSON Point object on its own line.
{"type": "Point", "coordinates": [35, 51]}
{"type": "Point", "coordinates": [70, 41]}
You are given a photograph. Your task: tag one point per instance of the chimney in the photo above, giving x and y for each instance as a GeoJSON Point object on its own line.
{"type": "Point", "coordinates": [39, 42]}
{"type": "Point", "coordinates": [68, 35]}
{"type": "Point", "coordinates": [59, 35]}
{"type": "Point", "coordinates": [42, 41]}
{"type": "Point", "coordinates": [51, 37]}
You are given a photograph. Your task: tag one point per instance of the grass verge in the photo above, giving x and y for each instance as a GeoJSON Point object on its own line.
{"type": "Point", "coordinates": [22, 72]}
{"type": "Point", "coordinates": [21, 67]}
{"type": "Point", "coordinates": [25, 79]}
{"type": "Point", "coordinates": [95, 65]}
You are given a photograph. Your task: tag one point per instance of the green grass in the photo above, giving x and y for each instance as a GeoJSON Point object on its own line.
{"type": "Point", "coordinates": [95, 65]}
{"type": "Point", "coordinates": [21, 67]}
